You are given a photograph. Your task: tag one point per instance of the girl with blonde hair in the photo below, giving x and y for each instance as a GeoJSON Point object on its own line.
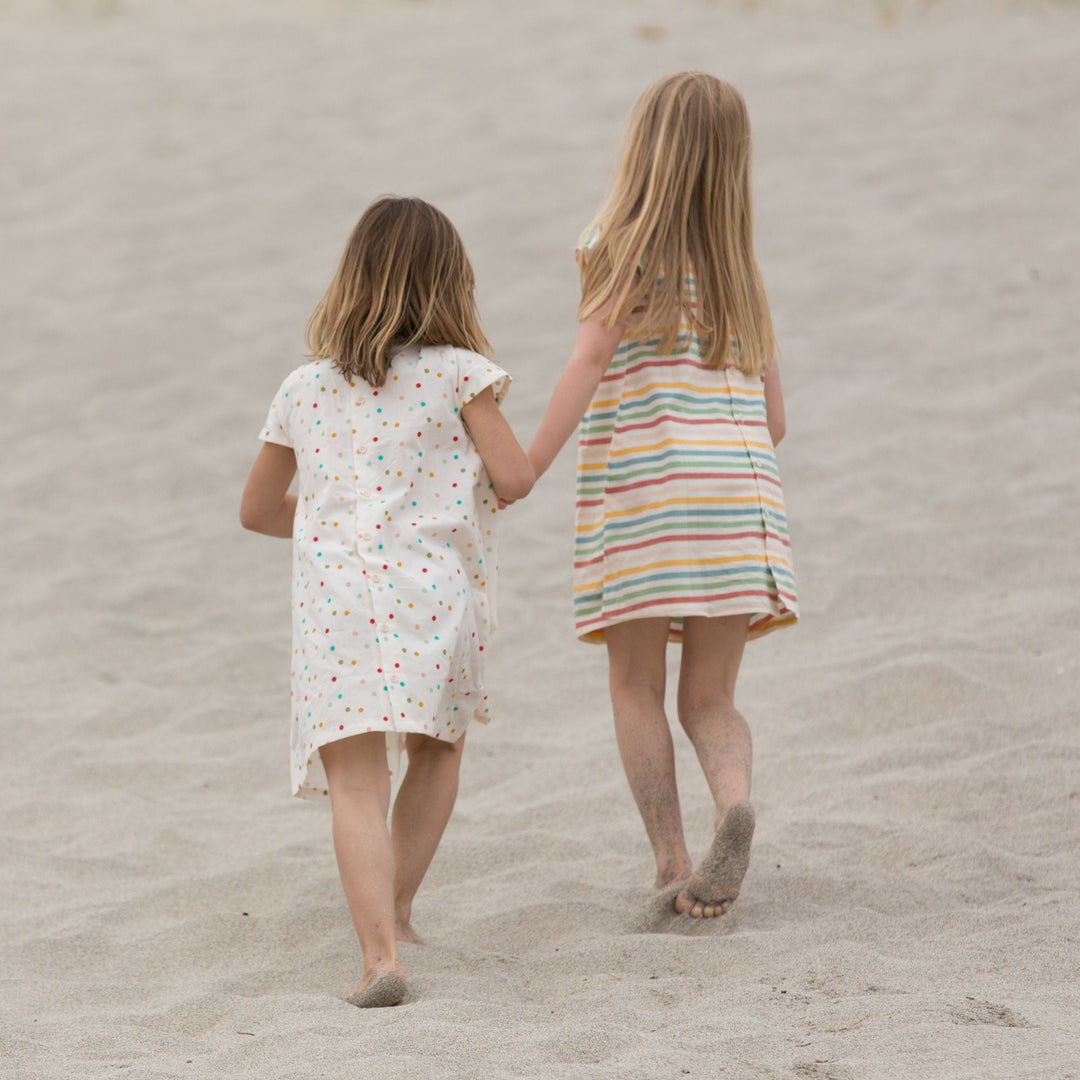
{"type": "Point", "coordinates": [402, 453]}
{"type": "Point", "coordinates": [681, 533]}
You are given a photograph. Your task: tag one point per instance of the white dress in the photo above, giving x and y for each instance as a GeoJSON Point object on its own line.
{"type": "Point", "coordinates": [394, 555]}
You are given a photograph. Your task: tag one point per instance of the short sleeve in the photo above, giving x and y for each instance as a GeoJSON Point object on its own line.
{"type": "Point", "coordinates": [476, 373]}
{"type": "Point", "coordinates": [585, 245]}
{"type": "Point", "coordinates": [276, 428]}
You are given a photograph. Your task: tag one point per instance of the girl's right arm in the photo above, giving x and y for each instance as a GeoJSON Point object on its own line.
{"type": "Point", "coordinates": [594, 347]}
{"type": "Point", "coordinates": [266, 506]}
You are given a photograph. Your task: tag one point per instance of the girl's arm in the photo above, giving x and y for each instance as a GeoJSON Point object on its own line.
{"type": "Point", "coordinates": [594, 347]}
{"type": "Point", "coordinates": [266, 505]}
{"type": "Point", "coordinates": [774, 401]}
{"type": "Point", "coordinates": [503, 456]}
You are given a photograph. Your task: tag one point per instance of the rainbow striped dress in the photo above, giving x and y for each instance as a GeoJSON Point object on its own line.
{"type": "Point", "coordinates": [679, 505]}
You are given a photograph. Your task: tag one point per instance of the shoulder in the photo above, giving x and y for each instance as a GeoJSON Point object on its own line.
{"type": "Point", "coordinates": [587, 242]}
{"type": "Point", "coordinates": [475, 372]}
{"type": "Point", "coordinates": [313, 372]}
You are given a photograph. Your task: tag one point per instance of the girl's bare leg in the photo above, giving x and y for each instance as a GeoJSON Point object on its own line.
{"type": "Point", "coordinates": [636, 658]}
{"type": "Point", "coordinates": [711, 654]}
{"type": "Point", "coordinates": [359, 781]}
{"type": "Point", "coordinates": [421, 810]}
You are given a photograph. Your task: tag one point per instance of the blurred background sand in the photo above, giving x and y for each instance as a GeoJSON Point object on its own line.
{"type": "Point", "coordinates": [177, 184]}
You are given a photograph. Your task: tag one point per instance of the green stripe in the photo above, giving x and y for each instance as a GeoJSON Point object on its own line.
{"type": "Point", "coordinates": [763, 580]}
{"type": "Point", "coordinates": [675, 465]}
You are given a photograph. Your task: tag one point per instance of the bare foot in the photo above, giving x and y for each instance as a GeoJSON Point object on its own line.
{"type": "Point", "coordinates": [380, 989]}
{"type": "Point", "coordinates": [403, 931]}
{"type": "Point", "coordinates": [714, 885]}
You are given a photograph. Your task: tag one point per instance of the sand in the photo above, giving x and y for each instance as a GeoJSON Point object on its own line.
{"type": "Point", "coordinates": [177, 183]}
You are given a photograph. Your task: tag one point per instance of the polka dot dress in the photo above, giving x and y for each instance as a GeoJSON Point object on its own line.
{"type": "Point", "coordinates": [394, 552]}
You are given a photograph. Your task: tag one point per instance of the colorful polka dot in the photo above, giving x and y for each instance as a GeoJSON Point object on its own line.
{"type": "Point", "coordinates": [346, 590]}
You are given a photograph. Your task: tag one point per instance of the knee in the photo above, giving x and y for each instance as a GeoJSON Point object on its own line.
{"type": "Point", "coordinates": [427, 752]}
{"type": "Point", "coordinates": [639, 684]}
{"type": "Point", "coordinates": [699, 706]}
{"type": "Point", "coordinates": [350, 793]}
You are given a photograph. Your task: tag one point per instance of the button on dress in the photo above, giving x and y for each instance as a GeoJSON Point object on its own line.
{"type": "Point", "coordinates": [394, 552]}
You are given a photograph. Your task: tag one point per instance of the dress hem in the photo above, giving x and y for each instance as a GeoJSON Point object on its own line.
{"type": "Point", "coordinates": [766, 622]}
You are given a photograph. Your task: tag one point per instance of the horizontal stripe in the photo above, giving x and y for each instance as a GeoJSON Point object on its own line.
{"type": "Point", "coordinates": [736, 517]}
{"type": "Point", "coordinates": [666, 538]}
{"type": "Point", "coordinates": [670, 419]}
{"type": "Point", "coordinates": [720, 582]}
{"type": "Point", "coordinates": [690, 390]}
{"type": "Point", "coordinates": [637, 485]}
{"type": "Point", "coordinates": [622, 611]}
{"type": "Point", "coordinates": [681, 451]}
{"type": "Point", "coordinates": [679, 505]}
{"type": "Point", "coordinates": [667, 564]}
{"type": "Point", "coordinates": [693, 500]}
{"type": "Point", "coordinates": [635, 367]}
{"type": "Point", "coordinates": [679, 407]}
{"type": "Point", "coordinates": [639, 539]}
{"type": "Point", "coordinates": [650, 447]}
{"type": "Point", "coordinates": [677, 569]}
{"type": "Point", "coordinates": [646, 464]}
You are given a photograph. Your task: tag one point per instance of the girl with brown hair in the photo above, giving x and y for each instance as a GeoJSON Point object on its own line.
{"type": "Point", "coordinates": [402, 454]}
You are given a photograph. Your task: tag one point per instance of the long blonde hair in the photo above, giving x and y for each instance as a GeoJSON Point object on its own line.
{"type": "Point", "coordinates": [680, 205]}
{"type": "Point", "coordinates": [404, 279]}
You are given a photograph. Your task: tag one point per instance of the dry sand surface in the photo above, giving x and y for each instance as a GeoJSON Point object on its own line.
{"type": "Point", "coordinates": [177, 183]}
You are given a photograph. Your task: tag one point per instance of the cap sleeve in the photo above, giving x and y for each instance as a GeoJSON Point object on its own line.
{"type": "Point", "coordinates": [585, 245]}
{"type": "Point", "coordinates": [476, 373]}
{"type": "Point", "coordinates": [276, 428]}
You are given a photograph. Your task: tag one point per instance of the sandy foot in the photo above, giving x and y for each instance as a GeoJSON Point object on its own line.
{"type": "Point", "coordinates": [405, 932]}
{"type": "Point", "coordinates": [384, 988]}
{"type": "Point", "coordinates": [714, 885]}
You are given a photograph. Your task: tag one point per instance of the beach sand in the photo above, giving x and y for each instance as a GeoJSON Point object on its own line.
{"type": "Point", "coordinates": [178, 181]}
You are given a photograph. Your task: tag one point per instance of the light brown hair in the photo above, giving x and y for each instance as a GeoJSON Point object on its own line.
{"type": "Point", "coordinates": [404, 279]}
{"type": "Point", "coordinates": [680, 204]}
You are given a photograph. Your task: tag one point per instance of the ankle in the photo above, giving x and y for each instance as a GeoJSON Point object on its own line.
{"type": "Point", "coordinates": [668, 873]}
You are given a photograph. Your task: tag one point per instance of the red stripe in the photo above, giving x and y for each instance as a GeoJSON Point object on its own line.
{"type": "Point", "coordinates": [667, 417]}
{"type": "Point", "coordinates": [641, 365]}
{"type": "Point", "coordinates": [690, 476]}
{"type": "Point", "coordinates": [669, 539]}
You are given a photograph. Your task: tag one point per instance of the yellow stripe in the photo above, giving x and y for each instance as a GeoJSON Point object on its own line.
{"type": "Point", "coordinates": [682, 443]}
{"type": "Point", "coordinates": [648, 567]}
{"type": "Point", "coordinates": [705, 389]}
{"type": "Point", "coordinates": [645, 508]}
{"type": "Point", "coordinates": [689, 444]}
{"type": "Point", "coordinates": [697, 388]}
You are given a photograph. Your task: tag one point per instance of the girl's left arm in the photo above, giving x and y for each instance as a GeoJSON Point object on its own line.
{"type": "Point", "coordinates": [594, 347]}
{"type": "Point", "coordinates": [266, 505]}
{"type": "Point", "coordinates": [774, 401]}
{"type": "Point", "coordinates": [503, 456]}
